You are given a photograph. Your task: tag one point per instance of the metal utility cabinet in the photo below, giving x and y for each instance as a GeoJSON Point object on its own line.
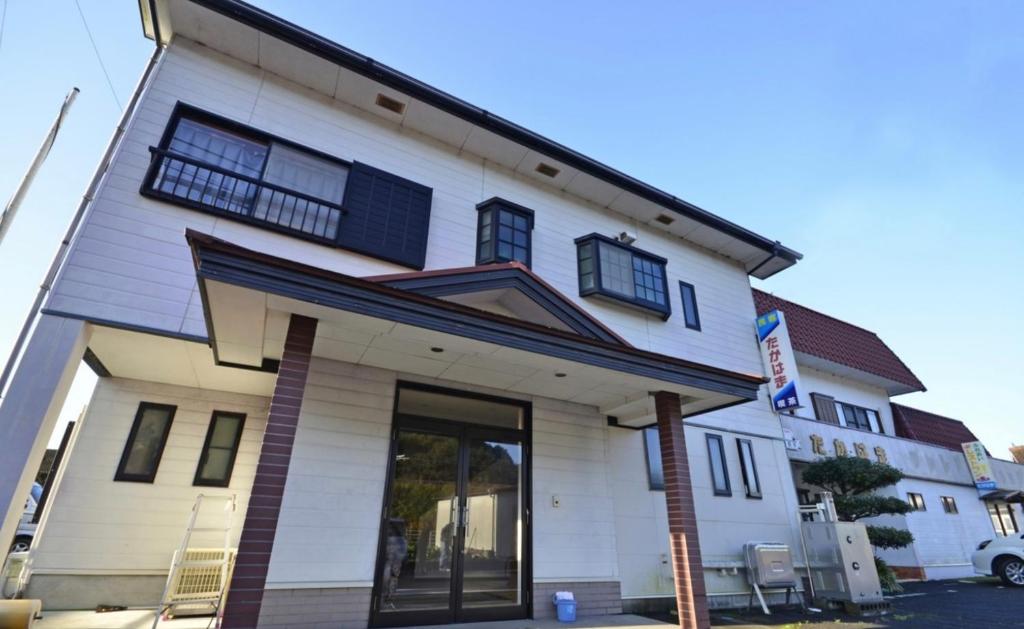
{"type": "Point", "coordinates": [842, 565]}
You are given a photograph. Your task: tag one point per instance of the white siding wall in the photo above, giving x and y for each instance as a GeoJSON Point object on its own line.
{"type": "Point", "coordinates": [725, 523]}
{"type": "Point", "coordinates": [130, 262]}
{"type": "Point", "coordinates": [944, 541]}
{"type": "Point", "coordinates": [98, 526]}
{"type": "Point", "coordinates": [330, 516]}
{"type": "Point", "coordinates": [330, 512]}
{"type": "Point", "coordinates": [845, 390]}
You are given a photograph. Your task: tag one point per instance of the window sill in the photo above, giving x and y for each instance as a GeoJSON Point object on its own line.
{"type": "Point", "coordinates": [663, 312]}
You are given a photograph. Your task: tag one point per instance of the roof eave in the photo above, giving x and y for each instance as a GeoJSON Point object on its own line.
{"type": "Point", "coordinates": [782, 256]}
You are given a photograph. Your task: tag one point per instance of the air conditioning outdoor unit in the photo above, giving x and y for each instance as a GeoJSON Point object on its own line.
{"type": "Point", "coordinates": [196, 587]}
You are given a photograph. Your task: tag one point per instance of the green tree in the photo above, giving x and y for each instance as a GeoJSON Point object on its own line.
{"type": "Point", "coordinates": [854, 482]}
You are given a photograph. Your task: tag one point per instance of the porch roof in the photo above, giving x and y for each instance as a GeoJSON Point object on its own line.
{"type": "Point", "coordinates": [248, 296]}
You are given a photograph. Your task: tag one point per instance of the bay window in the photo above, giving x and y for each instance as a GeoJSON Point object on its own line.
{"type": "Point", "coordinates": [616, 271]}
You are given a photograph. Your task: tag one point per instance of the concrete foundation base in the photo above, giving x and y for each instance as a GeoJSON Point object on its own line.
{"type": "Point", "coordinates": [74, 591]}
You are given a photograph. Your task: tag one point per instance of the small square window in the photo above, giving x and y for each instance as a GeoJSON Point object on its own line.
{"type": "Point", "coordinates": [949, 505]}
{"type": "Point", "coordinates": [916, 501]}
{"type": "Point", "coordinates": [503, 232]}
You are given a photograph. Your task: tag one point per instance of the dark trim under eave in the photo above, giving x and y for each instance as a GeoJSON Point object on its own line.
{"type": "Point", "coordinates": [385, 75]}
{"type": "Point", "coordinates": [220, 261]}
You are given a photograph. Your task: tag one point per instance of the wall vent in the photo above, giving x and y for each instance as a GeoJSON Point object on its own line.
{"type": "Point", "coordinates": [390, 104]}
{"type": "Point", "coordinates": [665, 219]}
{"type": "Point", "coordinates": [547, 170]}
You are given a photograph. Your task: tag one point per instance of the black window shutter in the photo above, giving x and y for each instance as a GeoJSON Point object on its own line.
{"type": "Point", "coordinates": [388, 216]}
{"type": "Point", "coordinates": [825, 408]}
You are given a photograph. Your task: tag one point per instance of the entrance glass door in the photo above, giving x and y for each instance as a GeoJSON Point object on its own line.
{"type": "Point", "coordinates": [455, 526]}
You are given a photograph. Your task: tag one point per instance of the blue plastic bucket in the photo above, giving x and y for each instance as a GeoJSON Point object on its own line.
{"type": "Point", "coordinates": [566, 611]}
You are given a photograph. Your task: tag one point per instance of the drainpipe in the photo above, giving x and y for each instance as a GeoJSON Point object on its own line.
{"type": "Point", "coordinates": [62, 250]}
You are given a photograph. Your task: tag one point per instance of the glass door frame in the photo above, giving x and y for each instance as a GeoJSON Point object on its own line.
{"type": "Point", "coordinates": [464, 431]}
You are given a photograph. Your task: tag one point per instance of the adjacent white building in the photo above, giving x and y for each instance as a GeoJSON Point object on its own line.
{"type": "Point", "coordinates": [850, 375]}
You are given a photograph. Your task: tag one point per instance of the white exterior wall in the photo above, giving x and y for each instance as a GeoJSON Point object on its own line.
{"type": "Point", "coordinates": [330, 516]}
{"type": "Point", "coordinates": [724, 523]}
{"type": "Point", "coordinates": [944, 541]}
{"type": "Point", "coordinates": [95, 526]}
{"type": "Point", "coordinates": [130, 263]}
{"type": "Point", "coordinates": [845, 390]}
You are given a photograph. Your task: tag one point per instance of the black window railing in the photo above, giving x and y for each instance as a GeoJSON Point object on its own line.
{"type": "Point", "coordinates": [210, 188]}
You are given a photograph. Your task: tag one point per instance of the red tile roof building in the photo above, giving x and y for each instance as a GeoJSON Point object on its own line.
{"type": "Point", "coordinates": [835, 341]}
{"type": "Point", "coordinates": [926, 427]}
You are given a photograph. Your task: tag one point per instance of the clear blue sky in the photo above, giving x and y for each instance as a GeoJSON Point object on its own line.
{"type": "Point", "coordinates": [883, 140]}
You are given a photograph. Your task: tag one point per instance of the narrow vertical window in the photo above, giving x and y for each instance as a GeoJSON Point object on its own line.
{"type": "Point", "coordinates": [690, 314]}
{"type": "Point", "coordinates": [949, 505]}
{"type": "Point", "coordinates": [217, 459]}
{"type": "Point", "coordinates": [652, 448]}
{"type": "Point", "coordinates": [146, 442]}
{"type": "Point", "coordinates": [719, 470]}
{"type": "Point", "coordinates": [916, 501]}
{"type": "Point", "coordinates": [750, 480]}
{"type": "Point", "coordinates": [503, 232]}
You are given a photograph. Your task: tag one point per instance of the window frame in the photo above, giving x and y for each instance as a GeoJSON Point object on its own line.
{"type": "Point", "coordinates": [598, 289]}
{"type": "Point", "coordinates": [916, 501]}
{"type": "Point", "coordinates": [497, 205]}
{"type": "Point", "coordinates": [652, 484]}
{"type": "Point", "coordinates": [949, 505]}
{"type": "Point", "coordinates": [720, 444]}
{"type": "Point", "coordinates": [201, 116]}
{"type": "Point", "coordinates": [120, 475]}
{"type": "Point", "coordinates": [841, 406]}
{"type": "Point", "coordinates": [683, 287]}
{"type": "Point", "coordinates": [757, 493]}
{"type": "Point", "coordinates": [204, 453]}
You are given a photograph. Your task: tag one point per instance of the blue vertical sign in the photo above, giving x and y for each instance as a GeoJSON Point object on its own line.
{"type": "Point", "coordinates": [779, 362]}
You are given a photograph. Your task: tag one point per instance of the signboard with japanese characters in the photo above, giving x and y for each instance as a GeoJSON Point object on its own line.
{"type": "Point", "coordinates": [977, 460]}
{"type": "Point", "coordinates": [779, 363]}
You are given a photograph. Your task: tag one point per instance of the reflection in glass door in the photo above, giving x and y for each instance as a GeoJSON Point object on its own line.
{"type": "Point", "coordinates": [419, 528]}
{"type": "Point", "coordinates": [454, 531]}
{"type": "Point", "coordinates": [492, 549]}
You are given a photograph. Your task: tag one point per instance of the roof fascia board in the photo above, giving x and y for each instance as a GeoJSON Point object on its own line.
{"type": "Point", "coordinates": [222, 262]}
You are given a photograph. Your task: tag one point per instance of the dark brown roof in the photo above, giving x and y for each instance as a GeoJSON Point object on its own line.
{"type": "Point", "coordinates": [820, 335]}
{"type": "Point", "coordinates": [919, 425]}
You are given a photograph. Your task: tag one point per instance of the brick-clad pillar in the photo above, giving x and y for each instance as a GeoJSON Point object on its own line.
{"type": "Point", "coordinates": [246, 594]}
{"type": "Point", "coordinates": [691, 596]}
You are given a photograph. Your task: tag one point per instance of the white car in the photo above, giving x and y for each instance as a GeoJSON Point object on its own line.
{"type": "Point", "coordinates": [1002, 557]}
{"type": "Point", "coordinates": [26, 527]}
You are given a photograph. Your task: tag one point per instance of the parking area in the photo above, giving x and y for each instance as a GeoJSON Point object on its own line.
{"type": "Point", "coordinates": [935, 604]}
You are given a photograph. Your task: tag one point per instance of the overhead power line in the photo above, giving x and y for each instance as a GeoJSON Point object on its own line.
{"type": "Point", "coordinates": [99, 58]}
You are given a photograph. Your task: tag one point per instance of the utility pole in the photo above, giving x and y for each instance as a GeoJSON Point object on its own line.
{"type": "Point", "coordinates": [19, 193]}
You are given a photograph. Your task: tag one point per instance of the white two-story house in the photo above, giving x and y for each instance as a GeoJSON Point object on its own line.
{"type": "Point", "coordinates": [445, 366]}
{"type": "Point", "coordinates": [850, 374]}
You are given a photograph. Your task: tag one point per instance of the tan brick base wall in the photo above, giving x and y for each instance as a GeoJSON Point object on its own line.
{"type": "Point", "coordinates": [314, 608]}
{"type": "Point", "coordinates": [598, 598]}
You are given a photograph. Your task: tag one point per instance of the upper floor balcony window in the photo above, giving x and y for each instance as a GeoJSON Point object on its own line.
{"type": "Point", "coordinates": [828, 409]}
{"type": "Point", "coordinates": [218, 166]}
{"type": "Point", "coordinates": [503, 232]}
{"type": "Point", "coordinates": [614, 270]}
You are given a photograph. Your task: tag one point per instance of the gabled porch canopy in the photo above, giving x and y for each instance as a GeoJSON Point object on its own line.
{"type": "Point", "coordinates": [248, 298]}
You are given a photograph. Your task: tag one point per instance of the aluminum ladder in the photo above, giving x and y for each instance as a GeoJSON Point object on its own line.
{"type": "Point", "coordinates": [182, 563]}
